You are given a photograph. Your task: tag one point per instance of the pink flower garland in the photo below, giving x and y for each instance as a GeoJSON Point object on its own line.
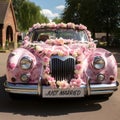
{"type": "Point", "coordinates": [61, 25]}
{"type": "Point", "coordinates": [59, 47]}
{"type": "Point", "coordinates": [61, 51]}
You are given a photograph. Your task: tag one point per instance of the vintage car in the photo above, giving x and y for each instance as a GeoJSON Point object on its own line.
{"type": "Point", "coordinates": [60, 61]}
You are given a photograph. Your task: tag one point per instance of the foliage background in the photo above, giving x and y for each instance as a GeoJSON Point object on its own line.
{"type": "Point", "coordinates": [97, 15]}
{"type": "Point", "coordinates": [27, 13]}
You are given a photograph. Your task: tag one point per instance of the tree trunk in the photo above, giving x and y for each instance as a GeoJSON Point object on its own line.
{"type": "Point", "coordinates": [107, 38]}
{"type": "Point", "coordinates": [107, 32]}
{"type": "Point", "coordinates": [93, 33]}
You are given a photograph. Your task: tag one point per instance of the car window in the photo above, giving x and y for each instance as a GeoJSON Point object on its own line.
{"type": "Point", "coordinates": [44, 34]}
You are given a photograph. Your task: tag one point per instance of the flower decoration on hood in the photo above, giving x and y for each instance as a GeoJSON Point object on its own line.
{"type": "Point", "coordinates": [60, 47]}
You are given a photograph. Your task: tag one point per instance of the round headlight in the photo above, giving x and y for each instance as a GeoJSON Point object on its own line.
{"type": "Point", "coordinates": [99, 62]}
{"type": "Point", "coordinates": [26, 63]}
{"type": "Point", "coordinates": [100, 77]}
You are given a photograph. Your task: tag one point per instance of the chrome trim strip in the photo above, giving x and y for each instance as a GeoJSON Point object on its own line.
{"type": "Point", "coordinates": [103, 88]}
{"type": "Point", "coordinates": [63, 58]}
{"type": "Point", "coordinates": [102, 92]}
{"type": "Point", "coordinates": [94, 89]}
{"type": "Point", "coordinates": [20, 88]}
{"type": "Point", "coordinates": [20, 91]}
{"type": "Point", "coordinates": [39, 86]}
{"type": "Point", "coordinates": [88, 87]}
{"type": "Point", "coordinates": [112, 86]}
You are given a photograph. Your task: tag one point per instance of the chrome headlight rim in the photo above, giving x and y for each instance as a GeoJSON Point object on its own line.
{"type": "Point", "coordinates": [24, 78]}
{"type": "Point", "coordinates": [26, 63]}
{"type": "Point", "coordinates": [100, 77]}
{"type": "Point", "coordinates": [98, 62]}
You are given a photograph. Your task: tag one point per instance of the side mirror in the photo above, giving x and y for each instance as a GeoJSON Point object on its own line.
{"type": "Point", "coordinates": [95, 41]}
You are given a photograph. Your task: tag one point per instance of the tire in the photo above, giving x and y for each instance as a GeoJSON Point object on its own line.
{"type": "Point", "coordinates": [106, 95]}
{"type": "Point", "coordinates": [102, 97]}
{"type": "Point", "coordinates": [14, 96]}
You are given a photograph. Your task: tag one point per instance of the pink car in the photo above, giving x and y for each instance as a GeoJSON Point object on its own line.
{"type": "Point", "coordinates": [60, 61]}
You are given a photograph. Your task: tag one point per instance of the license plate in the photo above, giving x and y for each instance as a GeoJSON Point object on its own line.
{"type": "Point", "coordinates": [62, 93]}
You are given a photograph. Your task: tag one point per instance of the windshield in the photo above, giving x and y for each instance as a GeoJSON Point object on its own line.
{"type": "Point", "coordinates": [44, 34]}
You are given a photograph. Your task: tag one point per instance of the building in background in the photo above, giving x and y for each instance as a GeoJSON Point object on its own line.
{"type": "Point", "coordinates": [8, 25]}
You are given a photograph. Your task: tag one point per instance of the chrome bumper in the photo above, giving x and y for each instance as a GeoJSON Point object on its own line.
{"type": "Point", "coordinates": [103, 88]}
{"type": "Point", "coordinates": [94, 89]}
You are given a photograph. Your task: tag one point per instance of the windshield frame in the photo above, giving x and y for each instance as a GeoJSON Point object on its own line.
{"type": "Point", "coordinates": [48, 30]}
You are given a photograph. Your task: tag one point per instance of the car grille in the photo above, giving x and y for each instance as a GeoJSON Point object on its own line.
{"type": "Point", "coordinates": [62, 68]}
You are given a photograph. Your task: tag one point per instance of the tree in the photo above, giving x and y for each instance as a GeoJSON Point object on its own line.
{"type": "Point", "coordinates": [71, 11]}
{"type": "Point", "coordinates": [43, 19]}
{"type": "Point", "coordinates": [89, 15]}
{"type": "Point", "coordinates": [17, 8]}
{"type": "Point", "coordinates": [81, 11]}
{"type": "Point", "coordinates": [97, 15]}
{"type": "Point", "coordinates": [57, 20]}
{"type": "Point", "coordinates": [109, 14]}
{"type": "Point", "coordinates": [27, 13]}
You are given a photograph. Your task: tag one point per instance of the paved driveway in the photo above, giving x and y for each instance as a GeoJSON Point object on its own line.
{"type": "Point", "coordinates": [34, 108]}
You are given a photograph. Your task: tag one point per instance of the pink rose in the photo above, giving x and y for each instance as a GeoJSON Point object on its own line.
{"type": "Point", "coordinates": [53, 85]}
{"type": "Point", "coordinates": [76, 76]}
{"type": "Point", "coordinates": [51, 81]}
{"type": "Point", "coordinates": [75, 83]}
{"type": "Point", "coordinates": [42, 25]}
{"type": "Point", "coordinates": [88, 33]}
{"type": "Point", "coordinates": [80, 58]}
{"type": "Point", "coordinates": [62, 25]}
{"type": "Point", "coordinates": [48, 41]}
{"type": "Point", "coordinates": [63, 84]}
{"type": "Point", "coordinates": [26, 38]}
{"type": "Point", "coordinates": [46, 60]}
{"type": "Point", "coordinates": [82, 27]}
{"type": "Point", "coordinates": [78, 67]}
{"type": "Point", "coordinates": [73, 53]}
{"type": "Point", "coordinates": [11, 65]}
{"type": "Point", "coordinates": [47, 70]}
{"type": "Point", "coordinates": [59, 41]}
{"type": "Point", "coordinates": [48, 52]}
{"type": "Point", "coordinates": [38, 48]}
{"type": "Point", "coordinates": [66, 53]}
{"type": "Point", "coordinates": [71, 25]}
{"type": "Point", "coordinates": [37, 25]}
{"type": "Point", "coordinates": [51, 25]}
{"type": "Point", "coordinates": [26, 41]}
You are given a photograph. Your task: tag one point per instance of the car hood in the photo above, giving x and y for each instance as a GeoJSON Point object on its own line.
{"type": "Point", "coordinates": [40, 53]}
{"type": "Point", "coordinates": [60, 47]}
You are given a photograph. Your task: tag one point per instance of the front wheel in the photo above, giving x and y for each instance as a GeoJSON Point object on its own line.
{"type": "Point", "coordinates": [106, 95]}
{"type": "Point", "coordinates": [14, 96]}
{"type": "Point", "coordinates": [102, 96]}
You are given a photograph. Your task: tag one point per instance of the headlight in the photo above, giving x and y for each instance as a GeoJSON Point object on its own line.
{"type": "Point", "coordinates": [98, 62]}
{"type": "Point", "coordinates": [24, 78]}
{"type": "Point", "coordinates": [100, 77]}
{"type": "Point", "coordinates": [26, 63]}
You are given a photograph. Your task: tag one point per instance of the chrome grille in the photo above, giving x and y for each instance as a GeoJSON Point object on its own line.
{"type": "Point", "coordinates": [62, 68]}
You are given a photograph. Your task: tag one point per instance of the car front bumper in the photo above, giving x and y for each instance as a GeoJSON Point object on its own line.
{"type": "Point", "coordinates": [89, 89]}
